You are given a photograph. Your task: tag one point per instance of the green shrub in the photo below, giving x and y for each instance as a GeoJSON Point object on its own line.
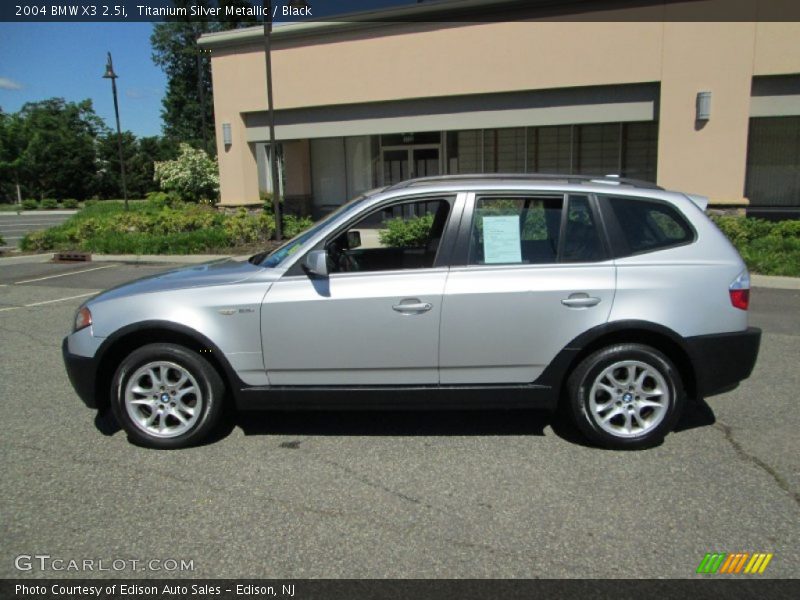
{"type": "Point", "coordinates": [147, 228]}
{"type": "Point", "coordinates": [30, 204]}
{"type": "Point", "coordinates": [162, 199]}
{"type": "Point", "coordinates": [70, 203]}
{"type": "Point", "coordinates": [242, 228]}
{"type": "Point", "coordinates": [89, 203]}
{"type": "Point", "coordinates": [406, 233]}
{"type": "Point", "coordinates": [49, 203]}
{"type": "Point", "coordinates": [266, 200]}
{"type": "Point", "coordinates": [769, 248]}
{"type": "Point", "coordinates": [293, 225]}
{"type": "Point", "coordinates": [38, 241]}
{"type": "Point", "coordinates": [787, 229]}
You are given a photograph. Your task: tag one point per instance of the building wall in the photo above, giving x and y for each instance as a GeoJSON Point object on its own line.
{"type": "Point", "coordinates": [432, 60]}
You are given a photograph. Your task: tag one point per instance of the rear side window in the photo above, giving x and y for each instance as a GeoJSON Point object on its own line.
{"type": "Point", "coordinates": [515, 230]}
{"type": "Point", "coordinates": [647, 225]}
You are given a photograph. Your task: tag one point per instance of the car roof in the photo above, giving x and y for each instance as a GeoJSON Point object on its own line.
{"type": "Point", "coordinates": [523, 178]}
{"type": "Point", "coordinates": [535, 182]}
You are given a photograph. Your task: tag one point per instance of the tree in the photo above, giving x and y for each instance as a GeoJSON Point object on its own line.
{"type": "Point", "coordinates": [53, 148]}
{"type": "Point", "coordinates": [139, 155]}
{"type": "Point", "coordinates": [11, 148]}
{"type": "Point", "coordinates": [188, 109]}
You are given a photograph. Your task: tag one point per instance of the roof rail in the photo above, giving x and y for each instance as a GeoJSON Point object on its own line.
{"type": "Point", "coordinates": [606, 179]}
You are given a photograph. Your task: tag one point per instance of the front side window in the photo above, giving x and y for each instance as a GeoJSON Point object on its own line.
{"type": "Point", "coordinates": [648, 225]}
{"type": "Point", "coordinates": [515, 230]}
{"type": "Point", "coordinates": [400, 236]}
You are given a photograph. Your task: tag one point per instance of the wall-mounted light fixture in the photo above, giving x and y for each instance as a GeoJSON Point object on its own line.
{"type": "Point", "coordinates": [227, 138]}
{"type": "Point", "coordinates": [703, 112]}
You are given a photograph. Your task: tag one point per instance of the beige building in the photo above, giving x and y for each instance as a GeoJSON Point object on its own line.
{"type": "Point", "coordinates": [705, 107]}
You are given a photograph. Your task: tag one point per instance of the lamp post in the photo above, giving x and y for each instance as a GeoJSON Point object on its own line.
{"type": "Point", "coordinates": [273, 159]}
{"type": "Point", "coordinates": [109, 74]}
{"type": "Point", "coordinates": [273, 150]}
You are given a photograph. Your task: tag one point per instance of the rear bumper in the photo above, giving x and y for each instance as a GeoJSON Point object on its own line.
{"type": "Point", "coordinates": [82, 372]}
{"type": "Point", "coordinates": [723, 360]}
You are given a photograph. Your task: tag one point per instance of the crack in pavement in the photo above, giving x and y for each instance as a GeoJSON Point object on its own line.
{"type": "Point", "coordinates": [28, 335]}
{"type": "Point", "coordinates": [727, 431]}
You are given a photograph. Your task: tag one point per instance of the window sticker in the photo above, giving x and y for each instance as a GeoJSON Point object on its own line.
{"type": "Point", "coordinates": [501, 242]}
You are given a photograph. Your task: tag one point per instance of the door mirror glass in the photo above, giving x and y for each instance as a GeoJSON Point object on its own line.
{"type": "Point", "coordinates": [353, 239]}
{"type": "Point", "coordinates": [316, 263]}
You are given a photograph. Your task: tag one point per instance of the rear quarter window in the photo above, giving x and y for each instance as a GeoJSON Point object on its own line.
{"type": "Point", "coordinates": [647, 225]}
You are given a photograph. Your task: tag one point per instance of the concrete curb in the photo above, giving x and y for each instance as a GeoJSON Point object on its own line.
{"type": "Point", "coordinates": [776, 282]}
{"type": "Point", "coordinates": [25, 259]}
{"type": "Point", "coordinates": [28, 213]}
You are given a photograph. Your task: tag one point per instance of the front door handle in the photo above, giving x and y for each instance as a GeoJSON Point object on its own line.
{"type": "Point", "coordinates": [412, 306]}
{"type": "Point", "coordinates": [580, 300]}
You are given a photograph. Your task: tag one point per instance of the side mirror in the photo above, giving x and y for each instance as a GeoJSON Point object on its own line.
{"type": "Point", "coordinates": [353, 239]}
{"type": "Point", "coordinates": [316, 263]}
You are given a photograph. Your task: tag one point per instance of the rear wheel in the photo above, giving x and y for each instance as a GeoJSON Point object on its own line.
{"type": "Point", "coordinates": [625, 396]}
{"type": "Point", "coordinates": [166, 396]}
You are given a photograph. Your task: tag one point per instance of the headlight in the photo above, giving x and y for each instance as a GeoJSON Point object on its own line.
{"type": "Point", "coordinates": [83, 318]}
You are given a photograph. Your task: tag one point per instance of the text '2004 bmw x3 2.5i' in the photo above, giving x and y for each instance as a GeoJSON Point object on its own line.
{"type": "Point", "coordinates": [616, 300]}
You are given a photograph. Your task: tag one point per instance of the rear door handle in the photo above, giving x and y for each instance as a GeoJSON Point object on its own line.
{"type": "Point", "coordinates": [580, 300]}
{"type": "Point", "coordinates": [412, 305]}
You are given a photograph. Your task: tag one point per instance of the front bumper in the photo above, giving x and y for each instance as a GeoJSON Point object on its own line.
{"type": "Point", "coordinates": [723, 360]}
{"type": "Point", "coordinates": [82, 373]}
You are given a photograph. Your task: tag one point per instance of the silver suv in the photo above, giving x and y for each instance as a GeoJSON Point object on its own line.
{"type": "Point", "coordinates": [615, 300]}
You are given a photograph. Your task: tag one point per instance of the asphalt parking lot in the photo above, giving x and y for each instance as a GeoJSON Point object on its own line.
{"type": "Point", "coordinates": [372, 495]}
{"type": "Point", "coordinates": [14, 226]}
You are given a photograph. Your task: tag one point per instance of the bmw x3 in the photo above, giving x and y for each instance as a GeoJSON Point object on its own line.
{"type": "Point", "coordinates": [614, 300]}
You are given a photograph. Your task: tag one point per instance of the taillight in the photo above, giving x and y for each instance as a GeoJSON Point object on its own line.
{"type": "Point", "coordinates": [739, 291]}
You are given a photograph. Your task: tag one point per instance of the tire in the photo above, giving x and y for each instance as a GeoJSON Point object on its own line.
{"type": "Point", "coordinates": [166, 396]}
{"type": "Point", "coordinates": [626, 396]}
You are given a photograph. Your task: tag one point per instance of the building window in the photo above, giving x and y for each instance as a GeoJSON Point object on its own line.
{"type": "Point", "coordinates": [504, 150]}
{"type": "Point", "coordinates": [640, 150]}
{"type": "Point", "coordinates": [773, 162]}
{"type": "Point", "coordinates": [598, 149]}
{"type": "Point", "coordinates": [464, 151]}
{"type": "Point", "coordinates": [550, 149]}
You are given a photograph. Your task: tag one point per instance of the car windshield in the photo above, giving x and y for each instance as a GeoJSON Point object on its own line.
{"type": "Point", "coordinates": [277, 256]}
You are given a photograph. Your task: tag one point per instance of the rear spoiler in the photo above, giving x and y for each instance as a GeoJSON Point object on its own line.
{"type": "Point", "coordinates": [700, 201]}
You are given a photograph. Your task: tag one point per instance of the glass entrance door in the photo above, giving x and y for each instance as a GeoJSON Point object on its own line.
{"type": "Point", "coordinates": [405, 162]}
{"type": "Point", "coordinates": [395, 165]}
{"type": "Point", "coordinates": [425, 161]}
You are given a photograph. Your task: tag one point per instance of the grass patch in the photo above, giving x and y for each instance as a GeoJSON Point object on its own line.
{"type": "Point", "coordinates": [769, 248]}
{"type": "Point", "coordinates": [152, 227]}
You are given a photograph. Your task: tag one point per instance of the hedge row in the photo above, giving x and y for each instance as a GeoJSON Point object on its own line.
{"type": "Point", "coordinates": [160, 225]}
{"type": "Point", "coordinates": [769, 248]}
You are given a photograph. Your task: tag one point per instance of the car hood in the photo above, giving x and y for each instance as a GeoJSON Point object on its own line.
{"type": "Point", "coordinates": [216, 273]}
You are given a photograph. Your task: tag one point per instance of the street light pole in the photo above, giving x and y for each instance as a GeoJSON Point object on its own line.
{"type": "Point", "coordinates": [109, 74]}
{"type": "Point", "coordinates": [273, 150]}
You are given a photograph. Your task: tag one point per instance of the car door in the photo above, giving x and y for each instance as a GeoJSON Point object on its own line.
{"type": "Point", "coordinates": [374, 320]}
{"type": "Point", "coordinates": [535, 274]}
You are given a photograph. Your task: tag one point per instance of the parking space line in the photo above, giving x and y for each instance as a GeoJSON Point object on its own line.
{"type": "Point", "coordinates": [64, 274]}
{"type": "Point", "coordinates": [48, 301]}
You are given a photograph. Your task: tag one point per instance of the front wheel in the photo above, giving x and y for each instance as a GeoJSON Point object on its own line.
{"type": "Point", "coordinates": [166, 396]}
{"type": "Point", "coordinates": [625, 396]}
